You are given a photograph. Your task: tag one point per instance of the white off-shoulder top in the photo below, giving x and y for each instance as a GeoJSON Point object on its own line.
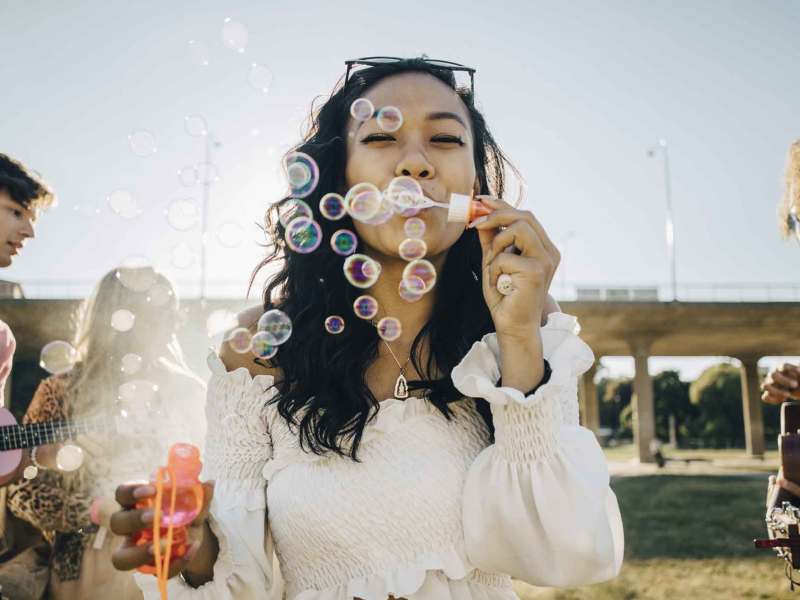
{"type": "Point", "coordinates": [432, 512]}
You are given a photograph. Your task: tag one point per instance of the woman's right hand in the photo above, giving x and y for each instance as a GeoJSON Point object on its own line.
{"type": "Point", "coordinates": [782, 383]}
{"type": "Point", "coordinates": [131, 520]}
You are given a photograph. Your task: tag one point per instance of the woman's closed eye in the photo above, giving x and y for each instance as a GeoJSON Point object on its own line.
{"type": "Point", "coordinates": [438, 139]}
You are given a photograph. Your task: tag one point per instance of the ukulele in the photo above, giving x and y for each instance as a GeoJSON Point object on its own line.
{"type": "Point", "coordinates": [783, 507]}
{"type": "Point", "coordinates": [14, 437]}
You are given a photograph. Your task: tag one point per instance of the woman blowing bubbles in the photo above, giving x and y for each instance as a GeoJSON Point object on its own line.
{"type": "Point", "coordinates": [445, 494]}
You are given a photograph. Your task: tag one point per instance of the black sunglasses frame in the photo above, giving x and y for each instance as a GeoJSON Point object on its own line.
{"type": "Point", "coordinates": [376, 61]}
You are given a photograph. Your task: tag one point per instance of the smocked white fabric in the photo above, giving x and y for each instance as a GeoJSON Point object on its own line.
{"type": "Point", "coordinates": [431, 512]}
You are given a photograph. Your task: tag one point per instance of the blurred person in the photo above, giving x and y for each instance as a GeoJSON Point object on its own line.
{"type": "Point", "coordinates": [125, 366]}
{"type": "Point", "coordinates": [783, 382]}
{"type": "Point", "coordinates": [23, 197]}
{"type": "Point", "coordinates": [362, 483]}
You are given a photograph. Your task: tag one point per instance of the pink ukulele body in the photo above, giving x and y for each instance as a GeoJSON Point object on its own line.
{"type": "Point", "coordinates": [9, 459]}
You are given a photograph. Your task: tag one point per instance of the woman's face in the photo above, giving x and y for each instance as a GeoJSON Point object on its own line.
{"type": "Point", "coordinates": [434, 146]}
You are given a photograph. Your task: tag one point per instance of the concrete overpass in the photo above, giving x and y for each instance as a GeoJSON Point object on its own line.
{"type": "Point", "coordinates": [747, 331]}
{"type": "Point", "coordinates": [743, 330]}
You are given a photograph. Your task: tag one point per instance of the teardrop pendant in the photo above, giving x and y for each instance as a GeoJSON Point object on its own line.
{"type": "Point", "coordinates": [401, 387]}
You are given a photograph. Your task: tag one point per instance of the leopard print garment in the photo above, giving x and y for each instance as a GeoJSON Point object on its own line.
{"type": "Point", "coordinates": [62, 517]}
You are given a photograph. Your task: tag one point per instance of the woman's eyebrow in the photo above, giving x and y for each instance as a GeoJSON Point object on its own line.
{"type": "Point", "coordinates": [438, 116]}
{"type": "Point", "coordinates": [434, 116]}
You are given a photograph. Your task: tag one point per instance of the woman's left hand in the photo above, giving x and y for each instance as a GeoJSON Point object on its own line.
{"type": "Point", "coordinates": [520, 313]}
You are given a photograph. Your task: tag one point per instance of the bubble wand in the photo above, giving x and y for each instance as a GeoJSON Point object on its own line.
{"type": "Point", "coordinates": [464, 209]}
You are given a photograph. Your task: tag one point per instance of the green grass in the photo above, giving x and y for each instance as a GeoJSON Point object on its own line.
{"type": "Point", "coordinates": [687, 536]}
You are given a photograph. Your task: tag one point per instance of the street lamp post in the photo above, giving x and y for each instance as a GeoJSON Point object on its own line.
{"type": "Point", "coordinates": [210, 173]}
{"type": "Point", "coordinates": [670, 226]}
{"type": "Point", "coordinates": [562, 244]}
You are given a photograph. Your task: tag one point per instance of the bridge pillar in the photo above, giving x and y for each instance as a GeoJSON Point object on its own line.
{"type": "Point", "coordinates": [752, 409]}
{"type": "Point", "coordinates": [589, 405]}
{"type": "Point", "coordinates": [644, 422]}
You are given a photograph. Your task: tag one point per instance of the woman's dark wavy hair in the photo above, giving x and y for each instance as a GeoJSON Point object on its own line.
{"type": "Point", "coordinates": [323, 389]}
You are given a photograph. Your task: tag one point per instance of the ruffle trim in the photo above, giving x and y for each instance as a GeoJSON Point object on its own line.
{"type": "Point", "coordinates": [401, 581]}
{"type": "Point", "coordinates": [477, 374]}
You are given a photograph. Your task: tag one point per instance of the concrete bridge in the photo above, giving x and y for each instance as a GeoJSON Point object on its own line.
{"type": "Point", "coordinates": [640, 327]}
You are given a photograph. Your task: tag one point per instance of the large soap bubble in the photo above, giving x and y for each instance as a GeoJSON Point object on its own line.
{"type": "Point", "coordinates": [361, 270]}
{"type": "Point", "coordinates": [58, 357]}
{"type": "Point", "coordinates": [278, 324]}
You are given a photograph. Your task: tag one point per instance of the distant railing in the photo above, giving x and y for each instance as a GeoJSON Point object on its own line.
{"type": "Point", "coordinates": [688, 292]}
{"type": "Point", "coordinates": [237, 289]}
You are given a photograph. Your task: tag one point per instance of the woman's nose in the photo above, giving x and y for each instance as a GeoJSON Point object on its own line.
{"type": "Point", "coordinates": [416, 166]}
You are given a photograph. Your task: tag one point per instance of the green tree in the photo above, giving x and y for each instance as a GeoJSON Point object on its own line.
{"type": "Point", "coordinates": [614, 395]}
{"type": "Point", "coordinates": [671, 397]}
{"type": "Point", "coordinates": [717, 395]}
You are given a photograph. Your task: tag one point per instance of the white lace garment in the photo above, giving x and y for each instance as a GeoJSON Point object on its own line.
{"type": "Point", "coordinates": [432, 511]}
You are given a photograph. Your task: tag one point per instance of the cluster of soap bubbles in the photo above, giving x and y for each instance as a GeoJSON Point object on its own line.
{"type": "Point", "coordinates": [273, 329]}
{"type": "Point", "coordinates": [365, 203]}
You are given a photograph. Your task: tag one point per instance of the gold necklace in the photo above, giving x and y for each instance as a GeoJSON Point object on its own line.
{"type": "Point", "coordinates": [401, 383]}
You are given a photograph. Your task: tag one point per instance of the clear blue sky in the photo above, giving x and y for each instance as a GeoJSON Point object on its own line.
{"type": "Point", "coordinates": [575, 92]}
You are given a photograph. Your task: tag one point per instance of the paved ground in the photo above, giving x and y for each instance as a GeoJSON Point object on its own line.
{"type": "Point", "coordinates": [719, 466]}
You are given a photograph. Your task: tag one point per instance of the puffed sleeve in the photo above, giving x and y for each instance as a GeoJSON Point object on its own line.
{"type": "Point", "coordinates": [537, 503]}
{"type": "Point", "coordinates": [237, 447]}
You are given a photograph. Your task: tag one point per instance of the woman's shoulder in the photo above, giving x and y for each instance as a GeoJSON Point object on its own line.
{"type": "Point", "coordinates": [233, 360]}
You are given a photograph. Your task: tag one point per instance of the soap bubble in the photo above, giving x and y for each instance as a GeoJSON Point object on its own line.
{"type": "Point", "coordinates": [361, 270]}
{"type": "Point", "coordinates": [195, 125]}
{"type": "Point", "coordinates": [389, 328]}
{"type": "Point", "coordinates": [230, 235]}
{"type": "Point", "coordinates": [160, 294]}
{"type": "Point", "coordinates": [260, 77]}
{"type": "Point", "coordinates": [219, 321]}
{"type": "Point", "coordinates": [362, 109]}
{"type": "Point", "coordinates": [122, 320]}
{"type": "Point", "coordinates": [411, 289]}
{"type": "Point", "coordinates": [199, 52]}
{"type": "Point", "coordinates": [234, 35]}
{"type": "Point", "coordinates": [182, 256]}
{"type": "Point", "coordinates": [384, 213]}
{"type": "Point", "coordinates": [278, 324]}
{"type": "Point", "coordinates": [263, 345]}
{"type": "Point", "coordinates": [87, 208]}
{"type": "Point", "coordinates": [412, 249]}
{"type": "Point", "coordinates": [207, 172]}
{"type": "Point", "coordinates": [30, 472]}
{"type": "Point", "coordinates": [303, 235]}
{"type": "Point", "coordinates": [136, 274]}
{"type": "Point", "coordinates": [390, 118]}
{"type": "Point", "coordinates": [365, 307]}
{"type": "Point", "coordinates": [344, 242]}
{"type": "Point", "coordinates": [187, 176]}
{"type": "Point", "coordinates": [182, 214]}
{"type": "Point", "coordinates": [332, 206]}
{"type": "Point", "coordinates": [69, 458]}
{"type": "Point", "coordinates": [139, 397]}
{"type": "Point", "coordinates": [240, 340]}
{"type": "Point", "coordinates": [131, 363]}
{"type": "Point", "coordinates": [58, 357]}
{"type": "Point", "coordinates": [414, 228]}
{"type": "Point", "coordinates": [363, 201]}
{"type": "Point", "coordinates": [302, 173]}
{"type": "Point", "coordinates": [334, 324]}
{"type": "Point", "coordinates": [424, 270]}
{"type": "Point", "coordinates": [293, 208]}
{"type": "Point", "coordinates": [142, 143]}
{"type": "Point", "coordinates": [405, 195]}
{"type": "Point", "coordinates": [123, 203]}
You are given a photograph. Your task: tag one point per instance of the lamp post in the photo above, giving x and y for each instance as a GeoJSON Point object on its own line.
{"type": "Point", "coordinates": [670, 227]}
{"type": "Point", "coordinates": [210, 174]}
{"type": "Point", "coordinates": [562, 245]}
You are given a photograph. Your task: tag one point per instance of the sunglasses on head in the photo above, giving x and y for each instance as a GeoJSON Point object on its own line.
{"type": "Point", "coordinates": [376, 61]}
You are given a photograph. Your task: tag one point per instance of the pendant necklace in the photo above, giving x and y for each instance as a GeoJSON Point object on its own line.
{"type": "Point", "coordinates": [401, 384]}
